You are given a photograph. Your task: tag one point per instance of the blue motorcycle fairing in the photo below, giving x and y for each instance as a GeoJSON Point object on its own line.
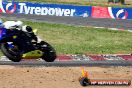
{"type": "Point", "coordinates": [2, 32]}
{"type": "Point", "coordinates": [6, 33]}
{"type": "Point", "coordinates": [24, 42]}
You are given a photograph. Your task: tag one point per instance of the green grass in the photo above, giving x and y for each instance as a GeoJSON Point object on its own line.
{"type": "Point", "coordinates": [78, 40]}
{"type": "Point", "coordinates": [84, 2]}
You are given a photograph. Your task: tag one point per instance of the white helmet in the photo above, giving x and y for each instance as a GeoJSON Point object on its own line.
{"type": "Point", "coordinates": [19, 23]}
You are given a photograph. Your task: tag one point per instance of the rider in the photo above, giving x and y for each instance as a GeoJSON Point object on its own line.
{"type": "Point", "coordinates": [19, 26]}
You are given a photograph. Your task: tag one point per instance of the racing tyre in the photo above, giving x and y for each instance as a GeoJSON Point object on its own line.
{"type": "Point", "coordinates": [84, 81]}
{"type": "Point", "coordinates": [13, 56]}
{"type": "Point", "coordinates": [49, 52]}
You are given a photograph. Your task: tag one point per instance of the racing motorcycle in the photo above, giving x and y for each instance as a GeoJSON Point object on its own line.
{"type": "Point", "coordinates": [18, 45]}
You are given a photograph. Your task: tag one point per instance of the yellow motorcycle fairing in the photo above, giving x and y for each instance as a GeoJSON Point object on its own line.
{"type": "Point", "coordinates": [32, 55]}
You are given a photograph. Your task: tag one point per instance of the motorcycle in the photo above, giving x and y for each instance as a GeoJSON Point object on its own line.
{"type": "Point", "coordinates": [17, 45]}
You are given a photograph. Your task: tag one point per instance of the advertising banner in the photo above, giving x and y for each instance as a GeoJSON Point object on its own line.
{"type": "Point", "coordinates": [111, 12]}
{"type": "Point", "coordinates": [45, 9]}
{"type": "Point", "coordinates": [120, 13]}
{"type": "Point", "coordinates": [100, 12]}
{"type": "Point", "coordinates": [65, 10]}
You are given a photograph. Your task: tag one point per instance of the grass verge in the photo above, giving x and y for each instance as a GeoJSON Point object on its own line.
{"type": "Point", "coordinates": [78, 40]}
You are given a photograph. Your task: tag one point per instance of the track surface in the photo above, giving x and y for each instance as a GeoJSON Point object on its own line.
{"type": "Point", "coordinates": [68, 63]}
{"type": "Point", "coordinates": [78, 21]}
{"type": "Point", "coordinates": [76, 60]}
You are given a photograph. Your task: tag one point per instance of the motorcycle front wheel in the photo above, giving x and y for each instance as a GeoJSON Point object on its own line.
{"type": "Point", "coordinates": [13, 55]}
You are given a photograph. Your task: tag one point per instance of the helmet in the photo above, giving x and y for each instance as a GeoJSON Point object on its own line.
{"type": "Point", "coordinates": [19, 23]}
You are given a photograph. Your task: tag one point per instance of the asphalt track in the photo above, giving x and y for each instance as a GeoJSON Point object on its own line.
{"type": "Point", "coordinates": [77, 21]}
{"type": "Point", "coordinates": [67, 63]}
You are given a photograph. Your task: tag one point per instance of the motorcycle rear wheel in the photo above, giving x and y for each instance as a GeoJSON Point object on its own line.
{"type": "Point", "coordinates": [49, 52]}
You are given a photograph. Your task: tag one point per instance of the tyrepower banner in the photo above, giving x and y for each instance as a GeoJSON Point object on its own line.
{"type": "Point", "coordinates": [45, 9]}
{"type": "Point", "coordinates": [111, 12]}
{"type": "Point", "coordinates": [65, 10]}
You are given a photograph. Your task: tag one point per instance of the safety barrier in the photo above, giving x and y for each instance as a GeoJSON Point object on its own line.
{"type": "Point", "coordinates": [65, 10]}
